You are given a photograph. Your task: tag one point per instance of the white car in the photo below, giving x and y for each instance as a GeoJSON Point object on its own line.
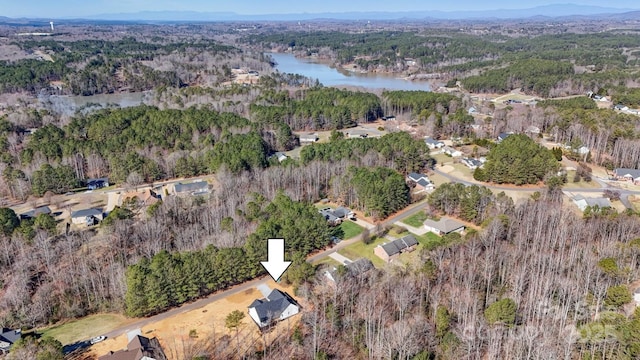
{"type": "Point", "coordinates": [97, 339]}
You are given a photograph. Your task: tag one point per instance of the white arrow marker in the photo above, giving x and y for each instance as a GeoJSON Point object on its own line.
{"type": "Point", "coordinates": [275, 265]}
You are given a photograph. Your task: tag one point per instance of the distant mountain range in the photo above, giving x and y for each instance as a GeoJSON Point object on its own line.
{"type": "Point", "coordinates": [552, 11]}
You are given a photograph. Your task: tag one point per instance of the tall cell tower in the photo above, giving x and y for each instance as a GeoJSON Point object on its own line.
{"type": "Point", "coordinates": [51, 23]}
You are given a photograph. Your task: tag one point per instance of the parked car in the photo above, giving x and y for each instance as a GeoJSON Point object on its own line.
{"type": "Point", "coordinates": [97, 339]}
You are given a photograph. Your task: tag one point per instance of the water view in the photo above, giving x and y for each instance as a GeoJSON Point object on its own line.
{"type": "Point", "coordinates": [328, 76]}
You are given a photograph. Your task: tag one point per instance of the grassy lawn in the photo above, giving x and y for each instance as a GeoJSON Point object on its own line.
{"type": "Point", "coordinates": [327, 261]}
{"type": "Point", "coordinates": [581, 184]}
{"type": "Point", "coordinates": [438, 179]}
{"type": "Point", "coordinates": [416, 220]}
{"type": "Point", "coordinates": [360, 249]}
{"type": "Point", "coordinates": [350, 229]}
{"type": "Point", "coordinates": [635, 201]}
{"type": "Point", "coordinates": [85, 328]}
{"type": "Point", "coordinates": [442, 158]}
{"type": "Point", "coordinates": [429, 240]}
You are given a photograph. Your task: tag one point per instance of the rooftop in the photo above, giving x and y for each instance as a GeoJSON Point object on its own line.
{"type": "Point", "coordinates": [445, 225]}
{"type": "Point", "coordinates": [396, 246]}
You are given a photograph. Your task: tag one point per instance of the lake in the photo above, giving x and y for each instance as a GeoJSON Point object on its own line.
{"type": "Point", "coordinates": [328, 76]}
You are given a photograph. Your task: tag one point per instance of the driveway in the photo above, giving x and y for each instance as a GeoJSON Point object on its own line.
{"type": "Point", "coordinates": [364, 224]}
{"type": "Point", "coordinates": [339, 258]}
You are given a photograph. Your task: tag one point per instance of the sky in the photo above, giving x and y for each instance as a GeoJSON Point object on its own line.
{"type": "Point", "coordinates": [79, 8]}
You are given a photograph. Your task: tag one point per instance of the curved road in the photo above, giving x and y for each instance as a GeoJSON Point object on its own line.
{"type": "Point", "coordinates": [624, 193]}
{"type": "Point", "coordinates": [410, 210]}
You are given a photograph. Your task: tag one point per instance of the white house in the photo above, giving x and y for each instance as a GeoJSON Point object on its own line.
{"type": "Point", "coordinates": [433, 144]}
{"type": "Point", "coordinates": [582, 202]}
{"type": "Point", "coordinates": [87, 216]}
{"type": "Point", "coordinates": [451, 151]}
{"type": "Point", "coordinates": [632, 175]}
{"type": "Point", "coordinates": [444, 226]}
{"type": "Point", "coordinates": [422, 181]}
{"type": "Point", "coordinates": [275, 307]}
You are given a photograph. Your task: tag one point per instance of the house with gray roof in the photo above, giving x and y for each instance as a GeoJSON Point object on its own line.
{"type": "Point", "coordinates": [444, 226]}
{"type": "Point", "coordinates": [275, 307]}
{"type": "Point", "coordinates": [352, 269]}
{"type": "Point", "coordinates": [472, 163]}
{"type": "Point", "coordinates": [35, 212]}
{"type": "Point", "coordinates": [583, 202]}
{"type": "Point", "coordinates": [421, 180]}
{"type": "Point", "coordinates": [503, 136]}
{"type": "Point", "coordinates": [139, 348]}
{"type": "Point", "coordinates": [199, 187]}
{"type": "Point", "coordinates": [7, 338]}
{"type": "Point", "coordinates": [308, 138]}
{"type": "Point", "coordinates": [335, 216]}
{"type": "Point", "coordinates": [87, 216]}
{"type": "Point", "coordinates": [632, 175]}
{"type": "Point", "coordinates": [433, 144]}
{"type": "Point", "coordinates": [391, 250]}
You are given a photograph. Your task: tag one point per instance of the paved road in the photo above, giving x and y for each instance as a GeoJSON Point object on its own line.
{"type": "Point", "coordinates": [255, 282]}
{"type": "Point", "coordinates": [624, 193]}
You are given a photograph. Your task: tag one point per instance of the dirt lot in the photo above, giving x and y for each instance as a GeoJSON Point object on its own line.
{"type": "Point", "coordinates": [209, 325]}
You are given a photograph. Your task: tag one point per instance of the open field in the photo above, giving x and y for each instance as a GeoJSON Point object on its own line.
{"type": "Point", "coordinates": [580, 184]}
{"type": "Point", "coordinates": [359, 250]}
{"type": "Point", "coordinates": [350, 229]}
{"type": "Point", "coordinates": [442, 158]}
{"type": "Point", "coordinates": [416, 219]}
{"type": "Point", "coordinates": [205, 326]}
{"type": "Point", "coordinates": [327, 261]}
{"type": "Point", "coordinates": [635, 201]}
{"type": "Point", "coordinates": [85, 328]}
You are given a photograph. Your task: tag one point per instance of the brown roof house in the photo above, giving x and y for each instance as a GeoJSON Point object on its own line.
{"type": "Point", "coordinates": [139, 348]}
{"type": "Point", "coordinates": [142, 198]}
{"type": "Point", "coordinates": [392, 250]}
{"type": "Point", "coordinates": [444, 226]}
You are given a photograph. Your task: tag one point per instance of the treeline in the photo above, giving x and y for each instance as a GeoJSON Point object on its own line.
{"type": "Point", "coordinates": [533, 76]}
{"type": "Point", "coordinates": [170, 279]}
{"type": "Point", "coordinates": [517, 160]}
{"type": "Point", "coordinates": [89, 67]}
{"type": "Point", "coordinates": [437, 49]}
{"type": "Point", "coordinates": [470, 203]}
{"type": "Point", "coordinates": [512, 291]}
{"type": "Point", "coordinates": [400, 149]}
{"type": "Point", "coordinates": [317, 108]}
{"type": "Point", "coordinates": [378, 192]}
{"type": "Point", "coordinates": [150, 143]}
{"type": "Point", "coordinates": [626, 96]}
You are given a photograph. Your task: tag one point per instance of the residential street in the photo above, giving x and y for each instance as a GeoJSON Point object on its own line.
{"type": "Point", "coordinates": [412, 209]}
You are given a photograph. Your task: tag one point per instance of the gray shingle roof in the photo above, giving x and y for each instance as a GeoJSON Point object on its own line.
{"type": "Point", "coordinates": [37, 211]}
{"type": "Point", "coordinates": [634, 173]}
{"type": "Point", "coordinates": [445, 225]}
{"type": "Point", "coordinates": [192, 187]}
{"type": "Point", "coordinates": [86, 212]}
{"type": "Point", "coordinates": [396, 246]}
{"type": "Point", "coordinates": [271, 308]}
{"type": "Point", "coordinates": [10, 335]}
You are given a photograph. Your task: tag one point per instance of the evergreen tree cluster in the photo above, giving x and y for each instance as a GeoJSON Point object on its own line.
{"type": "Point", "coordinates": [470, 203]}
{"type": "Point", "coordinates": [171, 279]}
{"type": "Point", "coordinates": [518, 160]}
{"type": "Point", "coordinates": [406, 153]}
{"type": "Point", "coordinates": [317, 108]}
{"type": "Point", "coordinates": [380, 191]}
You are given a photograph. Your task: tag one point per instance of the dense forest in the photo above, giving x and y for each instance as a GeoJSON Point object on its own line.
{"type": "Point", "coordinates": [527, 286]}
{"type": "Point", "coordinates": [89, 67]}
{"type": "Point", "coordinates": [170, 279]}
{"type": "Point", "coordinates": [150, 143]}
{"type": "Point", "coordinates": [317, 108]}
{"type": "Point", "coordinates": [518, 160]}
